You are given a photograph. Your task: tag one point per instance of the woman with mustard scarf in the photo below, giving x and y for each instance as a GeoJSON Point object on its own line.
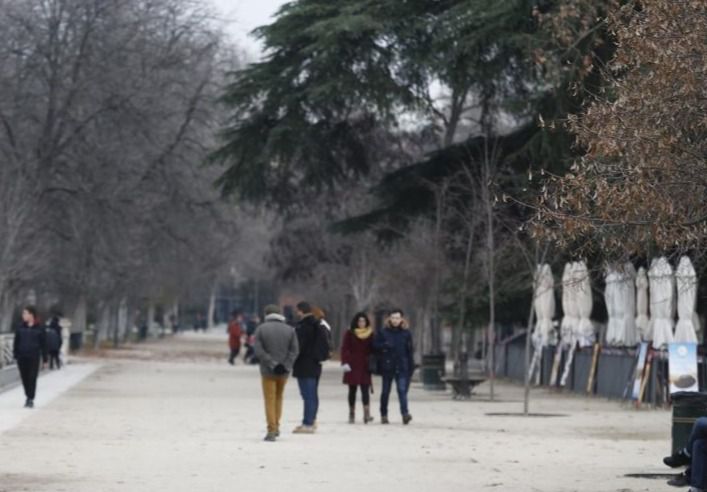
{"type": "Point", "coordinates": [355, 350]}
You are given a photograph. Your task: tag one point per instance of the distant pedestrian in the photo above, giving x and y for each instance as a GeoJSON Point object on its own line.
{"type": "Point", "coordinates": [54, 343]}
{"type": "Point", "coordinates": [356, 349]}
{"type": "Point", "coordinates": [276, 347]}
{"type": "Point", "coordinates": [29, 350]}
{"type": "Point", "coordinates": [393, 345]}
{"type": "Point", "coordinates": [235, 332]}
{"type": "Point", "coordinates": [313, 350]}
{"type": "Point", "coordinates": [249, 356]}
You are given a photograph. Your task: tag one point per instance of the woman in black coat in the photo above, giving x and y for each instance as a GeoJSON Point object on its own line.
{"type": "Point", "coordinates": [30, 345]}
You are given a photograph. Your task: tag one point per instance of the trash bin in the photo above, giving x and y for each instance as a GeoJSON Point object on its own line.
{"type": "Point", "coordinates": [688, 406]}
{"type": "Point", "coordinates": [75, 341]}
{"type": "Point", "coordinates": [432, 371]}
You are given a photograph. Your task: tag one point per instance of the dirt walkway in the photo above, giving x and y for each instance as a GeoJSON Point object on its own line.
{"type": "Point", "coordinates": [173, 416]}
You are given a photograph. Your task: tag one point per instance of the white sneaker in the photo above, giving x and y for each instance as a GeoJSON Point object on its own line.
{"type": "Point", "coordinates": [304, 429]}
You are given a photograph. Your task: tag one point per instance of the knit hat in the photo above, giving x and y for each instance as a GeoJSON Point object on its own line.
{"type": "Point", "coordinates": [272, 309]}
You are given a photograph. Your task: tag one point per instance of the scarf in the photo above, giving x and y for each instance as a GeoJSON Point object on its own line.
{"type": "Point", "coordinates": [363, 333]}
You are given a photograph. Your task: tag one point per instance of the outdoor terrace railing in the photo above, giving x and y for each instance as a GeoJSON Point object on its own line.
{"type": "Point", "coordinates": [6, 357]}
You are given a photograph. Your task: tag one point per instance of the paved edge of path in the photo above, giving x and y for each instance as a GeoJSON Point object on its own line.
{"type": "Point", "coordinates": [49, 386]}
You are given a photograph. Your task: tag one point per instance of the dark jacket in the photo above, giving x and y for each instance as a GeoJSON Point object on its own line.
{"type": "Point", "coordinates": [275, 343]}
{"type": "Point", "coordinates": [30, 342]}
{"type": "Point", "coordinates": [312, 342]}
{"type": "Point", "coordinates": [395, 351]}
{"type": "Point", "coordinates": [355, 352]}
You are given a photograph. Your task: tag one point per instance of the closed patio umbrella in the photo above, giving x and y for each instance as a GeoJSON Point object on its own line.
{"type": "Point", "coordinates": [613, 307]}
{"type": "Point", "coordinates": [585, 302]}
{"type": "Point", "coordinates": [569, 306]}
{"type": "Point", "coordinates": [630, 335]}
{"type": "Point", "coordinates": [688, 323]}
{"type": "Point", "coordinates": [544, 306]}
{"type": "Point", "coordinates": [643, 322]}
{"type": "Point", "coordinates": [662, 288]}
{"type": "Point", "coordinates": [584, 329]}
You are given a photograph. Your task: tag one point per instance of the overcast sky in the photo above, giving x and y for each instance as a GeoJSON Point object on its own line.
{"type": "Point", "coordinates": [242, 16]}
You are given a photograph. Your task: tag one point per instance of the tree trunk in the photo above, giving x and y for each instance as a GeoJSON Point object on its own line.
{"type": "Point", "coordinates": [491, 272]}
{"type": "Point", "coordinates": [456, 334]}
{"type": "Point", "coordinates": [121, 322]}
{"type": "Point", "coordinates": [528, 336]}
{"type": "Point", "coordinates": [78, 318]}
{"type": "Point", "coordinates": [212, 308]}
{"type": "Point", "coordinates": [115, 324]}
{"type": "Point", "coordinates": [8, 308]}
{"type": "Point", "coordinates": [151, 330]}
{"type": "Point", "coordinates": [102, 326]}
{"type": "Point", "coordinates": [435, 335]}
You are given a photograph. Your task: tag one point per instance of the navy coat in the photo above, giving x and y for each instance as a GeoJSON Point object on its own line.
{"type": "Point", "coordinates": [30, 342]}
{"type": "Point", "coordinates": [395, 351]}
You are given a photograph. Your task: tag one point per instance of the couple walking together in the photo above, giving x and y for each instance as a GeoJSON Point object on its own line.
{"type": "Point", "coordinates": [282, 350]}
{"type": "Point", "coordinates": [388, 352]}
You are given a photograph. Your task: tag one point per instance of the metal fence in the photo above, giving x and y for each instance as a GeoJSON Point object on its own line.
{"type": "Point", "coordinates": [614, 370]}
{"type": "Point", "coordinates": [6, 357]}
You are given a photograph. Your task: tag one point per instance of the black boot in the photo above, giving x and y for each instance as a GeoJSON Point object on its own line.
{"type": "Point", "coordinates": [681, 480]}
{"type": "Point", "coordinates": [677, 459]}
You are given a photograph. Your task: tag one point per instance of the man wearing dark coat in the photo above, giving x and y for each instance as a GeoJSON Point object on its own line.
{"type": "Point", "coordinates": [313, 349]}
{"type": "Point", "coordinates": [393, 345]}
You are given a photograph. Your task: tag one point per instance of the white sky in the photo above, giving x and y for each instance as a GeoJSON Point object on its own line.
{"type": "Point", "coordinates": [242, 16]}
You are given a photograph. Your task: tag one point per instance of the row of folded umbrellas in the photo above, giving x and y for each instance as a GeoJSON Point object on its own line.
{"type": "Point", "coordinates": [658, 305]}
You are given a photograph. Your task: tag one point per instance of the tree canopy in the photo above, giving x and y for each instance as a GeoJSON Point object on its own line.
{"type": "Point", "coordinates": [338, 73]}
{"type": "Point", "coordinates": [640, 186]}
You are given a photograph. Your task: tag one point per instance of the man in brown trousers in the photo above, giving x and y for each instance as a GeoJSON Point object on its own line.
{"type": "Point", "coordinates": [276, 348]}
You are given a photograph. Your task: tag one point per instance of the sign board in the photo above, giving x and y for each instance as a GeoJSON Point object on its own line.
{"type": "Point", "coordinates": [682, 367]}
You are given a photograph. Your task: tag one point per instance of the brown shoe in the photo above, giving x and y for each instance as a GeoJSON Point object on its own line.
{"type": "Point", "coordinates": [384, 420]}
{"type": "Point", "coordinates": [406, 419]}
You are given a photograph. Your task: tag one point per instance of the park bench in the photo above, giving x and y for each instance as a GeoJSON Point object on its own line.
{"type": "Point", "coordinates": [463, 387]}
{"type": "Point", "coordinates": [467, 375]}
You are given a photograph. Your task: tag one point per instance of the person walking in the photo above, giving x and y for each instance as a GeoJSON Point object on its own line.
{"type": "Point", "coordinates": [313, 350]}
{"type": "Point", "coordinates": [276, 347]}
{"type": "Point", "coordinates": [54, 343]}
{"type": "Point", "coordinates": [249, 356]}
{"type": "Point", "coordinates": [235, 332]}
{"type": "Point", "coordinates": [356, 348]}
{"type": "Point", "coordinates": [29, 348]}
{"type": "Point", "coordinates": [393, 344]}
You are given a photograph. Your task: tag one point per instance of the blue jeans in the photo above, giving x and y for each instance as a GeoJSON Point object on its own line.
{"type": "Point", "coordinates": [308, 388]}
{"type": "Point", "coordinates": [697, 447]}
{"type": "Point", "coordinates": [401, 384]}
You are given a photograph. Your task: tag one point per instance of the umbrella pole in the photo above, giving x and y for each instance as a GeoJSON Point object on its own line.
{"type": "Point", "coordinates": [556, 364]}
{"type": "Point", "coordinates": [568, 365]}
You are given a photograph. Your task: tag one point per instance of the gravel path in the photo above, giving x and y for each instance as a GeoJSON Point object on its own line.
{"type": "Point", "coordinates": [172, 416]}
